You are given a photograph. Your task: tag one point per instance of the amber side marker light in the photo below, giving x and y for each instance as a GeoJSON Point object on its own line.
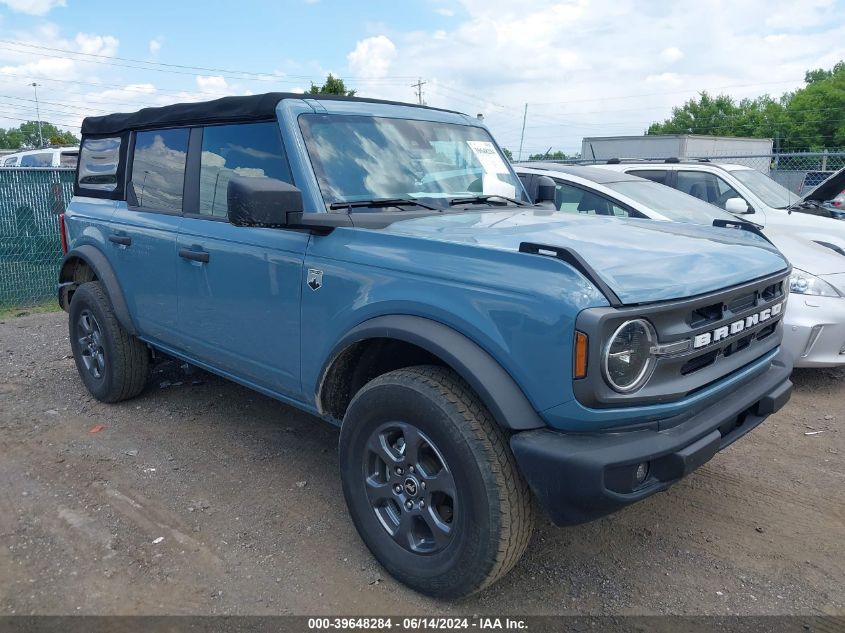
{"type": "Point", "coordinates": [580, 370]}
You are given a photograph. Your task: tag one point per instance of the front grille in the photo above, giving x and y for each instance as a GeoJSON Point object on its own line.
{"type": "Point", "coordinates": [725, 331]}
{"type": "Point", "coordinates": [742, 303]}
{"type": "Point", "coordinates": [699, 362]}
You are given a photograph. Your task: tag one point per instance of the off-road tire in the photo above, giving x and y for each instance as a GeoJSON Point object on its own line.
{"type": "Point", "coordinates": [493, 519]}
{"type": "Point", "coordinates": [126, 359]}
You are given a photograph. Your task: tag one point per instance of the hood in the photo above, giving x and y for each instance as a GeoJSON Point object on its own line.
{"type": "Point", "coordinates": [815, 252]}
{"type": "Point", "coordinates": [829, 189]}
{"type": "Point", "coordinates": [812, 227]}
{"type": "Point", "coordinates": [641, 260]}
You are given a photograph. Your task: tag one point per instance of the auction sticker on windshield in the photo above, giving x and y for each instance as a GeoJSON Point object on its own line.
{"type": "Point", "coordinates": [492, 164]}
{"type": "Point", "coordinates": [489, 158]}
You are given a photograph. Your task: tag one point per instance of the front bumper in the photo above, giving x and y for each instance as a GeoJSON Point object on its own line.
{"type": "Point", "coordinates": [814, 330]}
{"type": "Point", "coordinates": [578, 477]}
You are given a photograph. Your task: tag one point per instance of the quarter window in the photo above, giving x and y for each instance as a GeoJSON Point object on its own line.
{"type": "Point", "coordinates": [250, 150]}
{"type": "Point", "coordinates": [158, 168]}
{"type": "Point", "coordinates": [98, 161]}
{"type": "Point", "coordinates": [655, 175]}
{"type": "Point", "coordinates": [571, 199]}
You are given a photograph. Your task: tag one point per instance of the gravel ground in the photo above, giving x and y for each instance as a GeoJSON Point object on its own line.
{"type": "Point", "coordinates": [202, 497]}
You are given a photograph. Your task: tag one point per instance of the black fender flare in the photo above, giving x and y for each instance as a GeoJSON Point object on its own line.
{"type": "Point", "coordinates": [92, 256]}
{"type": "Point", "coordinates": [497, 390]}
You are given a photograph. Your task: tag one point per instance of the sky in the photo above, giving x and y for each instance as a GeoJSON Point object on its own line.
{"type": "Point", "coordinates": [583, 67]}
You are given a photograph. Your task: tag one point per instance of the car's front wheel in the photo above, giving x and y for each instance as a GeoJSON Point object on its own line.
{"type": "Point", "coordinates": [431, 484]}
{"type": "Point", "coordinates": [112, 363]}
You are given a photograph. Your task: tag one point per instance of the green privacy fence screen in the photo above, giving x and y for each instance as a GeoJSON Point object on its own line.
{"type": "Point", "coordinates": [30, 246]}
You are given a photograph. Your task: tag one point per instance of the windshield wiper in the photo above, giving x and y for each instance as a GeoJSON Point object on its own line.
{"type": "Point", "coordinates": [381, 202]}
{"type": "Point", "coordinates": [481, 199]}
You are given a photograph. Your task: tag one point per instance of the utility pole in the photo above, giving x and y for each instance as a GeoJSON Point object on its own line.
{"type": "Point", "coordinates": [420, 83]}
{"type": "Point", "coordinates": [38, 115]}
{"type": "Point", "coordinates": [522, 136]}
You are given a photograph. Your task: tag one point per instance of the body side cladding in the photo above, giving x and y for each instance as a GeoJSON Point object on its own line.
{"type": "Point", "coordinates": [103, 270]}
{"type": "Point", "coordinates": [497, 390]}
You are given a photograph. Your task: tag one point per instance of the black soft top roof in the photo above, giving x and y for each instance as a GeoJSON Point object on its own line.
{"type": "Point", "coordinates": [226, 109]}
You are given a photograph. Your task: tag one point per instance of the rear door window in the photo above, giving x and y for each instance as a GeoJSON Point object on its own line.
{"type": "Point", "coordinates": [37, 160]}
{"type": "Point", "coordinates": [158, 169]}
{"type": "Point", "coordinates": [706, 186]}
{"type": "Point", "coordinates": [252, 150]}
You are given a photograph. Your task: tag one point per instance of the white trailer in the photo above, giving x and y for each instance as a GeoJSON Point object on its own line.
{"type": "Point", "coordinates": [677, 146]}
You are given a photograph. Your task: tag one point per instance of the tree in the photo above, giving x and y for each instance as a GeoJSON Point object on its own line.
{"type": "Point", "coordinates": [508, 154]}
{"type": "Point", "coordinates": [808, 119]}
{"type": "Point", "coordinates": [705, 115]}
{"type": "Point", "coordinates": [558, 155]}
{"type": "Point", "coordinates": [26, 136]}
{"type": "Point", "coordinates": [333, 86]}
{"type": "Point", "coordinates": [814, 115]}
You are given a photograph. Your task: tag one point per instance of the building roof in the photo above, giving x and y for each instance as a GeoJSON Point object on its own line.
{"type": "Point", "coordinates": [224, 110]}
{"type": "Point", "coordinates": [650, 137]}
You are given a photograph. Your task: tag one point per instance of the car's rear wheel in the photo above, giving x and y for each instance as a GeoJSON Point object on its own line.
{"type": "Point", "coordinates": [431, 484]}
{"type": "Point", "coordinates": [112, 363]}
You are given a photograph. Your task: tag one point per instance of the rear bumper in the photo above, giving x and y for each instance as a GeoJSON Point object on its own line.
{"type": "Point", "coordinates": [578, 477]}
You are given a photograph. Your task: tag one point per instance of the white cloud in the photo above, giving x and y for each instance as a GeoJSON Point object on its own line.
{"type": "Point", "coordinates": [48, 67]}
{"type": "Point", "coordinates": [155, 46]}
{"type": "Point", "coordinates": [671, 54]}
{"type": "Point", "coordinates": [213, 84]}
{"type": "Point", "coordinates": [801, 15]}
{"type": "Point", "coordinates": [666, 79]}
{"type": "Point", "coordinates": [33, 7]}
{"type": "Point", "coordinates": [96, 44]}
{"type": "Point", "coordinates": [371, 58]}
{"type": "Point", "coordinates": [591, 68]}
{"type": "Point", "coordinates": [445, 12]}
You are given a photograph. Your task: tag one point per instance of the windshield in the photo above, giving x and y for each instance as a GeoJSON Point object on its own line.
{"type": "Point", "coordinates": [359, 158]}
{"type": "Point", "coordinates": [770, 192]}
{"type": "Point", "coordinates": [673, 204]}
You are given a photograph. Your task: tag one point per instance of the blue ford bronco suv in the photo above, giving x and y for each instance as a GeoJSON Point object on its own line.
{"type": "Point", "coordinates": [379, 266]}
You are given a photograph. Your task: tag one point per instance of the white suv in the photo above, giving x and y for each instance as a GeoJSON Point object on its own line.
{"type": "Point", "coordinates": [45, 157]}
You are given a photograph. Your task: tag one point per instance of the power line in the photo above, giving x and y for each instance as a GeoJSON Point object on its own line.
{"type": "Point", "coordinates": [660, 94]}
{"type": "Point", "coordinates": [149, 65]}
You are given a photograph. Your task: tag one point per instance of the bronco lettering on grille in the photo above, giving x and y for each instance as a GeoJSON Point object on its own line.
{"type": "Point", "coordinates": [726, 331]}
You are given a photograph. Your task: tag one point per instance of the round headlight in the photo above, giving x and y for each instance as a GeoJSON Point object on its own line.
{"type": "Point", "coordinates": [628, 361]}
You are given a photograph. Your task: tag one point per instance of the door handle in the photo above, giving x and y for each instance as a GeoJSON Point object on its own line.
{"type": "Point", "coordinates": [196, 256]}
{"type": "Point", "coordinates": [123, 240]}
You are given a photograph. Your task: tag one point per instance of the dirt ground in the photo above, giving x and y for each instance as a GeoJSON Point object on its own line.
{"type": "Point", "coordinates": [202, 497]}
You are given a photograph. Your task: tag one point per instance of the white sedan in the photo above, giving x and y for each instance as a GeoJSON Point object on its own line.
{"type": "Point", "coordinates": [814, 324]}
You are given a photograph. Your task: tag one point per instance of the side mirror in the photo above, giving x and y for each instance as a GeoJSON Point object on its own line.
{"type": "Point", "coordinates": [737, 206]}
{"type": "Point", "coordinates": [545, 190]}
{"type": "Point", "coordinates": [261, 201]}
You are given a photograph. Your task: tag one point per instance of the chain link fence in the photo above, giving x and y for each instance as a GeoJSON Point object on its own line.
{"type": "Point", "coordinates": [30, 244]}
{"type": "Point", "coordinates": [797, 171]}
